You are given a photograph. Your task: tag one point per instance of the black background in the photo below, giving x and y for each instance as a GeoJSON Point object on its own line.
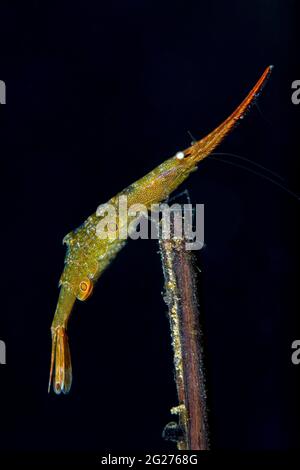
{"type": "Point", "coordinates": [97, 95]}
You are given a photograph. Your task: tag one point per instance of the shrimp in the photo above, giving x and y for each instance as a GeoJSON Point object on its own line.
{"type": "Point", "coordinates": [88, 255]}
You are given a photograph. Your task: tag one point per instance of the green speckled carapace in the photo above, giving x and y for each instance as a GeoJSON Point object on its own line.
{"type": "Point", "coordinates": [88, 255]}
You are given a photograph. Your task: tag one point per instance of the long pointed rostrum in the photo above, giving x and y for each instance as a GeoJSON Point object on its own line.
{"type": "Point", "coordinates": [205, 146]}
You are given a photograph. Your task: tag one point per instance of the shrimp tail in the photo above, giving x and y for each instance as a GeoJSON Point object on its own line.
{"type": "Point", "coordinates": [61, 366]}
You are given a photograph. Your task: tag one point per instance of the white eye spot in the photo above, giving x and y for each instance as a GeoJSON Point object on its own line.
{"type": "Point", "coordinates": [180, 155]}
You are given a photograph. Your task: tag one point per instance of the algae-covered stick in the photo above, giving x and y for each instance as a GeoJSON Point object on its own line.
{"type": "Point", "coordinates": [179, 267]}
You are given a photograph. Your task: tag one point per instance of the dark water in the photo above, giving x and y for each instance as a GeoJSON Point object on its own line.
{"type": "Point", "coordinates": [97, 95]}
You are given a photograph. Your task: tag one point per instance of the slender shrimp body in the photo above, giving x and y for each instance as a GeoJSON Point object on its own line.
{"type": "Point", "coordinates": [88, 255]}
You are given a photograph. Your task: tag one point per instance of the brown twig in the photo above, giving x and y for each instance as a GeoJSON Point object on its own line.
{"type": "Point", "coordinates": [180, 295]}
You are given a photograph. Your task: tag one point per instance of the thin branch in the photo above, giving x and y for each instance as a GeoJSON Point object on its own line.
{"type": "Point", "coordinates": [180, 295]}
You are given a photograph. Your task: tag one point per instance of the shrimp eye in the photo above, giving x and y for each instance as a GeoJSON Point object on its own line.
{"type": "Point", "coordinates": [85, 289]}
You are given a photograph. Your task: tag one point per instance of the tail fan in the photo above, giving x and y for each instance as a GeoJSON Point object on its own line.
{"type": "Point", "coordinates": [61, 366]}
